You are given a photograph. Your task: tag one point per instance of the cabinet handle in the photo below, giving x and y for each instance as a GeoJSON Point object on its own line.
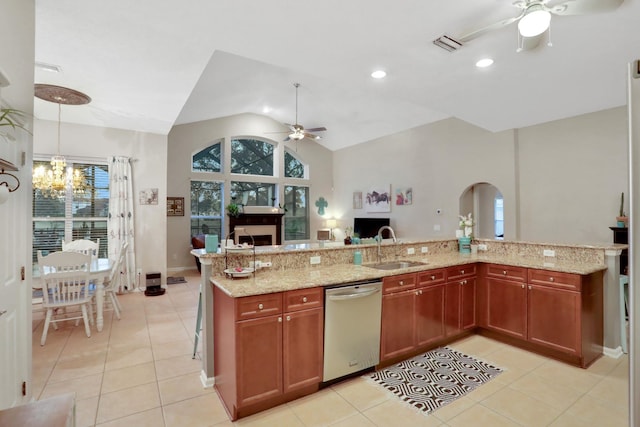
{"type": "Point", "coordinates": [504, 272]}
{"type": "Point", "coordinates": [288, 318]}
{"type": "Point", "coordinates": [280, 319]}
{"type": "Point", "coordinates": [461, 271]}
{"type": "Point", "coordinates": [522, 286]}
{"type": "Point", "coordinates": [401, 282]}
{"type": "Point", "coordinates": [419, 292]}
{"type": "Point", "coordinates": [551, 279]}
{"type": "Point", "coordinates": [529, 287]}
{"type": "Point", "coordinates": [260, 306]}
{"type": "Point", "coordinates": [433, 277]}
{"type": "Point", "coordinates": [463, 282]}
{"type": "Point", "coordinates": [304, 299]}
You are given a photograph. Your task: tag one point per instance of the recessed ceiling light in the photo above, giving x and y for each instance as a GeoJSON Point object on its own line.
{"type": "Point", "coordinates": [379, 74]}
{"type": "Point", "coordinates": [266, 109]}
{"type": "Point", "coordinates": [485, 62]}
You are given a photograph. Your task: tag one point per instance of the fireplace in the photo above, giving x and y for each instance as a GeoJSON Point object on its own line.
{"type": "Point", "coordinates": [265, 228]}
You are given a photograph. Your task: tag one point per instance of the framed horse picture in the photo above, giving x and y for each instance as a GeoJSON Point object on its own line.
{"type": "Point", "coordinates": [378, 199]}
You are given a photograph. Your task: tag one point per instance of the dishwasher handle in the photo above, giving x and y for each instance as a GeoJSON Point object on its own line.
{"type": "Point", "coordinates": [352, 295]}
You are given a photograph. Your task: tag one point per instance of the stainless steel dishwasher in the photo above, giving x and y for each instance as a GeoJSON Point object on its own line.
{"type": "Point", "coordinates": [352, 328]}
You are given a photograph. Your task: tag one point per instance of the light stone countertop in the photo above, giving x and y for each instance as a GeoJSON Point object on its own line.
{"type": "Point", "coordinates": [278, 280]}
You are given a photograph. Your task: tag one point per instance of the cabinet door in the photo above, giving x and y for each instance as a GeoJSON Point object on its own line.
{"type": "Point", "coordinates": [259, 359]}
{"type": "Point", "coordinates": [302, 348]}
{"type": "Point", "coordinates": [398, 334]}
{"type": "Point", "coordinates": [554, 318]}
{"type": "Point", "coordinates": [468, 303]}
{"type": "Point", "coordinates": [429, 314]}
{"type": "Point", "coordinates": [452, 308]}
{"type": "Point", "coordinates": [507, 307]}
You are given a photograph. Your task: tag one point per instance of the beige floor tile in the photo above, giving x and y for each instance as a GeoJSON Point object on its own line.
{"type": "Point", "coordinates": [612, 391]}
{"type": "Point", "coordinates": [86, 412]}
{"type": "Point", "coordinates": [395, 413]}
{"type": "Point", "coordinates": [181, 388]}
{"type": "Point", "coordinates": [150, 418]}
{"type": "Point", "coordinates": [592, 410]}
{"type": "Point", "coordinates": [553, 394]}
{"type": "Point", "coordinates": [127, 402]}
{"type": "Point", "coordinates": [454, 408]}
{"type": "Point", "coordinates": [571, 376]}
{"type": "Point", "coordinates": [362, 393]}
{"type": "Point", "coordinates": [126, 356]}
{"type": "Point", "coordinates": [172, 349]}
{"type": "Point", "coordinates": [312, 409]}
{"type": "Point", "coordinates": [357, 420]}
{"type": "Point", "coordinates": [199, 411]}
{"type": "Point", "coordinates": [480, 416]}
{"type": "Point", "coordinates": [486, 389]}
{"type": "Point", "coordinates": [521, 408]}
{"type": "Point", "coordinates": [177, 366]}
{"type": "Point", "coordinates": [515, 358]}
{"type": "Point", "coordinates": [604, 365]}
{"type": "Point", "coordinates": [132, 376]}
{"type": "Point", "coordinates": [279, 416]}
{"type": "Point", "coordinates": [569, 420]}
{"type": "Point", "coordinates": [84, 388]}
{"type": "Point", "coordinates": [477, 345]}
{"type": "Point", "coordinates": [76, 367]}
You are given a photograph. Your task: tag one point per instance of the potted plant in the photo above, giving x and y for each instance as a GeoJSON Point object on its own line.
{"type": "Point", "coordinates": [9, 117]}
{"type": "Point", "coordinates": [622, 216]}
{"type": "Point", "coordinates": [233, 210]}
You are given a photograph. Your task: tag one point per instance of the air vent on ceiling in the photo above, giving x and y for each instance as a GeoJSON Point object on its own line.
{"type": "Point", "coordinates": [447, 43]}
{"type": "Point", "coordinates": [48, 67]}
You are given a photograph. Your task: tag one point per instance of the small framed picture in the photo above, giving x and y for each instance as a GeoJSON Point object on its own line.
{"type": "Point", "coordinates": [175, 206]}
{"type": "Point", "coordinates": [149, 196]}
{"type": "Point", "coordinates": [324, 235]}
{"type": "Point", "coordinates": [357, 200]}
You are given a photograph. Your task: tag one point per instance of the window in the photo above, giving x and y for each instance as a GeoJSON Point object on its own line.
{"type": "Point", "coordinates": [74, 217]}
{"type": "Point", "coordinates": [206, 208]}
{"type": "Point", "coordinates": [499, 217]}
{"type": "Point", "coordinates": [293, 168]}
{"type": "Point", "coordinates": [209, 159]}
{"type": "Point", "coordinates": [253, 193]}
{"type": "Point", "coordinates": [296, 218]}
{"type": "Point", "coordinates": [251, 157]}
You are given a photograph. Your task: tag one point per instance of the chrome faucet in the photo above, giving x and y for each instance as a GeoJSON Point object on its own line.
{"type": "Point", "coordinates": [379, 239]}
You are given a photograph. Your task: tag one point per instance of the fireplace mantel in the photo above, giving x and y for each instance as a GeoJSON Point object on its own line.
{"type": "Point", "coordinates": [259, 219]}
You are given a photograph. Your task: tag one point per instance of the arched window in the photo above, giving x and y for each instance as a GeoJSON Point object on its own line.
{"type": "Point", "coordinates": [293, 168]}
{"type": "Point", "coordinates": [251, 157]}
{"type": "Point", "coordinates": [209, 159]}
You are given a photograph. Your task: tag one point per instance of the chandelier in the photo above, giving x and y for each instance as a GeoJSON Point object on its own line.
{"type": "Point", "coordinates": [54, 182]}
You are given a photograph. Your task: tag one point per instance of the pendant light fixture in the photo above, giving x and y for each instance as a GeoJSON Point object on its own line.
{"type": "Point", "coordinates": [54, 182]}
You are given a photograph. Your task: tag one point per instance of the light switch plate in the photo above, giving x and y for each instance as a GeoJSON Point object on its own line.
{"type": "Point", "coordinates": [424, 249]}
{"type": "Point", "coordinates": [548, 252]}
{"type": "Point", "coordinates": [411, 251]}
{"type": "Point", "coordinates": [315, 260]}
{"type": "Point", "coordinates": [482, 247]}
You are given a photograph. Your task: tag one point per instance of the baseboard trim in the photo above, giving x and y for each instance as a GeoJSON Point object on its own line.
{"type": "Point", "coordinates": [180, 269]}
{"type": "Point", "coordinates": [206, 381]}
{"type": "Point", "coordinates": [616, 353]}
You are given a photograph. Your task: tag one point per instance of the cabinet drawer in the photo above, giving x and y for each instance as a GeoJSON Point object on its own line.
{"type": "Point", "coordinates": [258, 306]}
{"type": "Point", "coordinates": [518, 274]}
{"type": "Point", "coordinates": [302, 299]}
{"type": "Point", "coordinates": [398, 283]}
{"type": "Point", "coordinates": [431, 277]}
{"type": "Point", "coordinates": [459, 271]}
{"type": "Point", "coordinates": [555, 279]}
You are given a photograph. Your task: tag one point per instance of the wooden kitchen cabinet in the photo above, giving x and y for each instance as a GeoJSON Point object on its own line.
{"type": "Point", "coordinates": [268, 348]}
{"type": "Point", "coordinates": [505, 300]}
{"type": "Point", "coordinates": [430, 307]}
{"type": "Point", "coordinates": [397, 335]}
{"type": "Point", "coordinates": [460, 299]}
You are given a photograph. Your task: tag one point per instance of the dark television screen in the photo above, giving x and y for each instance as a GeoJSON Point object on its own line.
{"type": "Point", "coordinates": [368, 227]}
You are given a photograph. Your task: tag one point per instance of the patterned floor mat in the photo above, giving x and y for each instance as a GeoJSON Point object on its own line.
{"type": "Point", "coordinates": [436, 378]}
{"type": "Point", "coordinates": [172, 280]}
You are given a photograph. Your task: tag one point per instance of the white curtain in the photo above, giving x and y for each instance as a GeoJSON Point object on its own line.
{"type": "Point", "coordinates": [121, 221]}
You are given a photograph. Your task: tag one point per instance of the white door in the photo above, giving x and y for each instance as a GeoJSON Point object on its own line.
{"type": "Point", "coordinates": [15, 278]}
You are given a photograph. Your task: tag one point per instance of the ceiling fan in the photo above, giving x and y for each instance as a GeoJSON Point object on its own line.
{"type": "Point", "coordinates": [298, 131]}
{"type": "Point", "coordinates": [533, 20]}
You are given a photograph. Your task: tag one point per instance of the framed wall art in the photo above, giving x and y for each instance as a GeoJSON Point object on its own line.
{"type": "Point", "coordinates": [149, 196]}
{"type": "Point", "coordinates": [378, 199]}
{"type": "Point", "coordinates": [175, 206]}
{"type": "Point", "coordinates": [357, 200]}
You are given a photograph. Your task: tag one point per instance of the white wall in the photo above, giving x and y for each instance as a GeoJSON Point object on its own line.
{"type": "Point", "coordinates": [439, 161]}
{"type": "Point", "coordinates": [561, 181]}
{"type": "Point", "coordinates": [149, 152]}
{"type": "Point", "coordinates": [186, 140]}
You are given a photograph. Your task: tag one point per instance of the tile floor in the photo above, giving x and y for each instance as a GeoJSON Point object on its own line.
{"type": "Point", "coordinates": [139, 372]}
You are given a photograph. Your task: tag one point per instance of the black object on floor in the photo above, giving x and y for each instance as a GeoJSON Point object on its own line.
{"type": "Point", "coordinates": [172, 280]}
{"type": "Point", "coordinates": [153, 285]}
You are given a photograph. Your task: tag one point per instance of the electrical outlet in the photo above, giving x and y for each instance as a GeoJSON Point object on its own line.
{"type": "Point", "coordinates": [436, 227]}
{"type": "Point", "coordinates": [411, 251]}
{"type": "Point", "coordinates": [424, 249]}
{"type": "Point", "coordinates": [482, 247]}
{"type": "Point", "coordinates": [549, 252]}
{"type": "Point", "coordinates": [266, 264]}
{"type": "Point", "coordinates": [314, 260]}
{"type": "Point", "coordinates": [139, 272]}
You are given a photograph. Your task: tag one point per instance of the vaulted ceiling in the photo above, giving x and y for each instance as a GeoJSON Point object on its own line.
{"type": "Point", "coordinates": [151, 64]}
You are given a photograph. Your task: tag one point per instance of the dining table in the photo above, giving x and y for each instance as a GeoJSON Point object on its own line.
{"type": "Point", "coordinates": [99, 270]}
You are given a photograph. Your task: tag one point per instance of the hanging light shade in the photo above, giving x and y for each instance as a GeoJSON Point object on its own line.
{"type": "Point", "coordinates": [54, 182]}
{"type": "Point", "coordinates": [535, 21]}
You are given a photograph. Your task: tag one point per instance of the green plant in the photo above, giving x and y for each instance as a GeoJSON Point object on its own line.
{"type": "Point", "coordinates": [10, 117]}
{"type": "Point", "coordinates": [622, 213]}
{"type": "Point", "coordinates": [233, 210]}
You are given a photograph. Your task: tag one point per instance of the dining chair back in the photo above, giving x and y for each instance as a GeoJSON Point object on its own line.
{"type": "Point", "coordinates": [65, 283]}
{"type": "Point", "coordinates": [113, 283]}
{"type": "Point", "coordinates": [84, 246]}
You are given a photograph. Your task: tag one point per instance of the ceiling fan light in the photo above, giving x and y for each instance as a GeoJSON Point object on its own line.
{"type": "Point", "coordinates": [535, 22]}
{"type": "Point", "coordinates": [296, 136]}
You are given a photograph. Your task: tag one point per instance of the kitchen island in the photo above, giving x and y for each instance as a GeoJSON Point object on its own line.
{"type": "Point", "coordinates": [257, 365]}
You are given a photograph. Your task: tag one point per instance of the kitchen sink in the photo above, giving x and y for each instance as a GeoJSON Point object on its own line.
{"type": "Point", "coordinates": [395, 265]}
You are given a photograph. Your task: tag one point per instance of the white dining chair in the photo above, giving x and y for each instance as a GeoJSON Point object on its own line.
{"type": "Point", "coordinates": [112, 284]}
{"type": "Point", "coordinates": [65, 283]}
{"type": "Point", "coordinates": [83, 246]}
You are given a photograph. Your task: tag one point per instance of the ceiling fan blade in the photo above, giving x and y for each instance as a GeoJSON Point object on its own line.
{"type": "Point", "coordinates": [287, 139]}
{"type": "Point", "coordinates": [477, 33]}
{"type": "Point", "coordinates": [583, 7]}
{"type": "Point", "coordinates": [320, 129]}
{"type": "Point", "coordinates": [530, 43]}
{"type": "Point", "coordinates": [312, 136]}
